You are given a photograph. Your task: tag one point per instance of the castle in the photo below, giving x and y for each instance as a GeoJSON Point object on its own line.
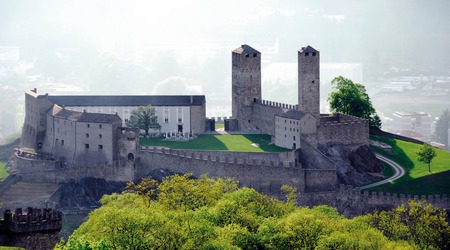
{"type": "Point", "coordinates": [80, 136]}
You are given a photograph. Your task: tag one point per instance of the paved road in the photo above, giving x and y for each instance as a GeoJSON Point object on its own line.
{"type": "Point", "coordinates": [399, 172]}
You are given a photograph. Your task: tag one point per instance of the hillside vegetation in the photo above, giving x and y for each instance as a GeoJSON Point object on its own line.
{"type": "Point", "coordinates": [187, 213]}
{"type": "Point", "coordinates": [417, 179]}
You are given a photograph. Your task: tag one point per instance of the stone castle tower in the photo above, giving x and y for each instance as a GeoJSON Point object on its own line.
{"type": "Point", "coordinates": [246, 84]}
{"type": "Point", "coordinates": [309, 81]}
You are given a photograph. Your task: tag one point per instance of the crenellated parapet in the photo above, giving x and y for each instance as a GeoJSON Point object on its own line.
{"type": "Point", "coordinates": [225, 157]}
{"type": "Point", "coordinates": [31, 220]}
{"type": "Point", "coordinates": [277, 104]}
{"type": "Point", "coordinates": [344, 130]}
{"type": "Point", "coordinates": [394, 199]}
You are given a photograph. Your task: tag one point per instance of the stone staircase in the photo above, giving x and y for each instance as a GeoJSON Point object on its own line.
{"type": "Point", "coordinates": [24, 194]}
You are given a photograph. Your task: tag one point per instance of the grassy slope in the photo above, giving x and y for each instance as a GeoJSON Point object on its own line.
{"type": "Point", "coordinates": [3, 171]}
{"type": "Point", "coordinates": [417, 179]}
{"type": "Point", "coordinates": [242, 143]}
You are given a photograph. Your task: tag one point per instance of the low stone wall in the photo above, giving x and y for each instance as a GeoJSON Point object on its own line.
{"type": "Point", "coordinates": [379, 132]}
{"type": "Point", "coordinates": [260, 174]}
{"type": "Point", "coordinates": [344, 133]}
{"type": "Point", "coordinates": [317, 179]}
{"type": "Point", "coordinates": [352, 202]}
{"type": "Point", "coordinates": [56, 171]}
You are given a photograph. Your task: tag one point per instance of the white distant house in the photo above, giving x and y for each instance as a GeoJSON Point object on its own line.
{"type": "Point", "coordinates": [418, 125]}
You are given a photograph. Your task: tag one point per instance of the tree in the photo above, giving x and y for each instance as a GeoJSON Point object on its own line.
{"type": "Point", "coordinates": [144, 118]}
{"type": "Point", "coordinates": [426, 154]}
{"type": "Point", "coordinates": [441, 130]}
{"type": "Point", "coordinates": [351, 99]}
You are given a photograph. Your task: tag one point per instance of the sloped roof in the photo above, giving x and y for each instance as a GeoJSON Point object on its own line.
{"type": "Point", "coordinates": [246, 49]}
{"type": "Point", "coordinates": [77, 116]}
{"type": "Point", "coordinates": [293, 114]}
{"type": "Point", "coordinates": [308, 49]}
{"type": "Point", "coordinates": [99, 118]}
{"type": "Point", "coordinates": [126, 100]}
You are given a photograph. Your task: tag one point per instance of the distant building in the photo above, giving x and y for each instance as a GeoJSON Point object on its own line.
{"type": "Point", "coordinates": [9, 57]}
{"type": "Point", "coordinates": [417, 125]}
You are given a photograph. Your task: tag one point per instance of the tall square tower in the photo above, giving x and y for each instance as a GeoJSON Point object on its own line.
{"type": "Point", "coordinates": [309, 81]}
{"type": "Point", "coordinates": [246, 84]}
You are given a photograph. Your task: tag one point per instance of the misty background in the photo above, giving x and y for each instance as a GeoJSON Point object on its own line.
{"type": "Point", "coordinates": [398, 49]}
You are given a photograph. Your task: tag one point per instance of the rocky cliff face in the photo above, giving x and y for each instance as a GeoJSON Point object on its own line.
{"type": "Point", "coordinates": [85, 193]}
{"type": "Point", "coordinates": [355, 167]}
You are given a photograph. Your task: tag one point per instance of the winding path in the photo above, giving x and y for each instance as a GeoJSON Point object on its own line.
{"type": "Point", "coordinates": [398, 172]}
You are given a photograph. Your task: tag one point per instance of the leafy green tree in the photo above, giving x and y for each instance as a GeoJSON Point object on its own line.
{"type": "Point", "coordinates": [351, 99]}
{"type": "Point", "coordinates": [441, 130]}
{"type": "Point", "coordinates": [419, 223]}
{"type": "Point", "coordinates": [426, 154]}
{"type": "Point", "coordinates": [144, 117]}
{"type": "Point", "coordinates": [146, 188]}
{"type": "Point", "coordinates": [205, 213]}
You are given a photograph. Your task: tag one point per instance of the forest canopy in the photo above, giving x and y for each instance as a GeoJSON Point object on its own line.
{"type": "Point", "coordinates": [186, 213]}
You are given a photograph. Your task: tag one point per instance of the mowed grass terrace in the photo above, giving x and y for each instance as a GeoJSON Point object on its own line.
{"type": "Point", "coordinates": [417, 179]}
{"type": "Point", "coordinates": [226, 142]}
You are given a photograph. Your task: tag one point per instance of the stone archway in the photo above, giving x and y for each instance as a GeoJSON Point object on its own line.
{"type": "Point", "coordinates": [131, 156]}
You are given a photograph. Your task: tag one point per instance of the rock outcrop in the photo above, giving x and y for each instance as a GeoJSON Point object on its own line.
{"type": "Point", "coordinates": [355, 167]}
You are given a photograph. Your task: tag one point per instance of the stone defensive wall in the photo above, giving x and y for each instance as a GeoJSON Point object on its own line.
{"type": "Point", "coordinates": [266, 172]}
{"type": "Point", "coordinates": [344, 130]}
{"type": "Point", "coordinates": [55, 171]}
{"type": "Point", "coordinates": [381, 198]}
{"type": "Point", "coordinates": [264, 114]}
{"type": "Point", "coordinates": [352, 202]}
{"type": "Point", "coordinates": [31, 220]}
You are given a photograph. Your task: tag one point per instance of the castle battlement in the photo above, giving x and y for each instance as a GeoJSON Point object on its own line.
{"type": "Point", "coordinates": [381, 198]}
{"type": "Point", "coordinates": [31, 220]}
{"type": "Point", "coordinates": [224, 157]}
{"type": "Point", "coordinates": [345, 123]}
{"type": "Point", "coordinates": [277, 104]}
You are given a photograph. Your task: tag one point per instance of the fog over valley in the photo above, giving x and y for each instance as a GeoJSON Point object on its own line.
{"type": "Point", "coordinates": [398, 49]}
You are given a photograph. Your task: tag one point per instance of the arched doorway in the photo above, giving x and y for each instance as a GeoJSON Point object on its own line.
{"type": "Point", "coordinates": [131, 156]}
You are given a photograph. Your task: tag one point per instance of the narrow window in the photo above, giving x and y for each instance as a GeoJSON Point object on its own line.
{"type": "Point", "coordinates": [180, 114]}
{"type": "Point", "coordinates": [314, 53]}
{"type": "Point", "coordinates": [88, 125]}
{"type": "Point", "coordinates": [100, 147]}
{"type": "Point", "coordinates": [62, 142]}
{"type": "Point", "coordinates": [86, 146]}
{"type": "Point", "coordinates": [294, 137]}
{"type": "Point", "coordinates": [100, 136]}
{"type": "Point", "coordinates": [87, 135]}
{"type": "Point", "coordinates": [99, 126]}
{"type": "Point", "coordinates": [166, 115]}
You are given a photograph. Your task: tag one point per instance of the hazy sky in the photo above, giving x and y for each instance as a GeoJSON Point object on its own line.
{"type": "Point", "coordinates": [143, 46]}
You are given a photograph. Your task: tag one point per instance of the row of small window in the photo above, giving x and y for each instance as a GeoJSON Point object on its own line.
{"type": "Point", "coordinates": [86, 146]}
{"type": "Point", "coordinates": [290, 129]}
{"type": "Point", "coordinates": [99, 135]}
{"type": "Point", "coordinates": [89, 125]}
{"type": "Point", "coordinates": [313, 54]}
{"type": "Point", "coordinates": [293, 137]}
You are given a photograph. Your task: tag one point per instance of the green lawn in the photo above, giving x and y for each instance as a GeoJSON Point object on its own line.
{"type": "Point", "coordinates": [219, 125]}
{"type": "Point", "coordinates": [417, 178]}
{"type": "Point", "coordinates": [3, 171]}
{"type": "Point", "coordinates": [241, 143]}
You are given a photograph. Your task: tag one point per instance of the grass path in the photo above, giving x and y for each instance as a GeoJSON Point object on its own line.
{"type": "Point", "coordinates": [417, 179]}
{"type": "Point", "coordinates": [240, 143]}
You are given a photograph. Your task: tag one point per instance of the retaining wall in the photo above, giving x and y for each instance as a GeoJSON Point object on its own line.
{"type": "Point", "coordinates": [256, 172]}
